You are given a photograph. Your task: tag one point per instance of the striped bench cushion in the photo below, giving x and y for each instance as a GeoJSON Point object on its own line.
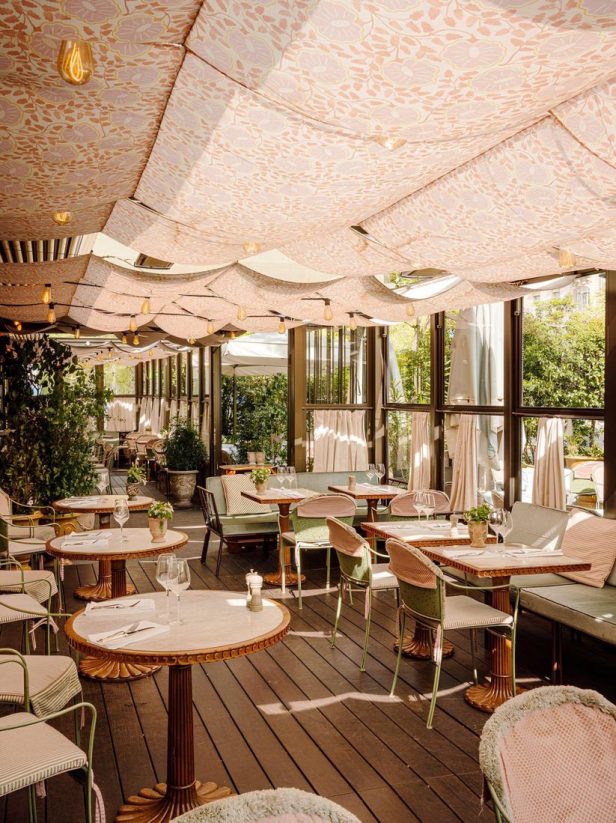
{"type": "Point", "coordinates": [33, 753]}
{"type": "Point", "coordinates": [592, 539]}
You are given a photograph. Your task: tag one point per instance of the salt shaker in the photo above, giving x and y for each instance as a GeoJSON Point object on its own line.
{"type": "Point", "coordinates": [352, 482]}
{"type": "Point", "coordinates": [453, 519]}
{"type": "Point", "coordinates": [254, 601]}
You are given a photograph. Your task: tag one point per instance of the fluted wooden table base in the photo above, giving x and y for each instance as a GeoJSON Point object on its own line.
{"type": "Point", "coordinates": [102, 589]}
{"type": "Point", "coordinates": [419, 646]}
{"type": "Point", "coordinates": [110, 670]}
{"type": "Point", "coordinates": [158, 805]}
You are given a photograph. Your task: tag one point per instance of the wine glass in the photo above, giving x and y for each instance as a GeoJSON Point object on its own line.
{"type": "Point", "coordinates": [497, 522]}
{"type": "Point", "coordinates": [506, 525]}
{"type": "Point", "coordinates": [429, 505]}
{"type": "Point", "coordinates": [379, 470]}
{"type": "Point", "coordinates": [291, 477]}
{"type": "Point", "coordinates": [121, 515]}
{"type": "Point", "coordinates": [371, 473]}
{"type": "Point", "coordinates": [420, 502]}
{"type": "Point", "coordinates": [166, 568]}
{"type": "Point", "coordinates": [180, 581]}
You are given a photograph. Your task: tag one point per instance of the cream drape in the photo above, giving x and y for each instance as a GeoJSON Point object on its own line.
{"type": "Point", "coordinates": [205, 422]}
{"type": "Point", "coordinates": [340, 440]}
{"type": "Point", "coordinates": [464, 475]}
{"type": "Point", "coordinates": [420, 451]}
{"type": "Point", "coordinates": [549, 476]}
{"type": "Point", "coordinates": [121, 415]}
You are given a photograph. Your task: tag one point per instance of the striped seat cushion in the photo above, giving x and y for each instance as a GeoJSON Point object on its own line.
{"type": "Point", "coordinates": [38, 584]}
{"type": "Point", "coordinates": [462, 612]}
{"type": "Point", "coordinates": [53, 682]}
{"type": "Point", "coordinates": [382, 578]}
{"type": "Point", "coordinates": [33, 753]}
{"type": "Point", "coordinates": [592, 539]}
{"type": "Point", "coordinates": [14, 607]}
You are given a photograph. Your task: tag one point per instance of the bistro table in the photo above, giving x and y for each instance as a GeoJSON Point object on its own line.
{"type": "Point", "coordinates": [138, 543]}
{"type": "Point", "coordinates": [239, 468]}
{"type": "Point", "coordinates": [101, 504]}
{"type": "Point", "coordinates": [283, 499]}
{"type": "Point", "coordinates": [499, 564]}
{"type": "Point", "coordinates": [421, 533]}
{"type": "Point", "coordinates": [216, 625]}
{"type": "Point", "coordinates": [370, 493]}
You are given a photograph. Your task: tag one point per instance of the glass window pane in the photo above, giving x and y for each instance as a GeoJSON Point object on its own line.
{"type": "Point", "coordinates": [474, 358]}
{"type": "Point", "coordinates": [183, 372]}
{"type": "Point", "coordinates": [119, 378]}
{"type": "Point", "coordinates": [336, 369]}
{"type": "Point", "coordinates": [194, 390]}
{"type": "Point", "coordinates": [408, 362]}
{"type": "Point", "coordinates": [583, 461]}
{"type": "Point", "coordinates": [398, 445]}
{"type": "Point", "coordinates": [564, 345]}
{"type": "Point", "coordinates": [475, 439]}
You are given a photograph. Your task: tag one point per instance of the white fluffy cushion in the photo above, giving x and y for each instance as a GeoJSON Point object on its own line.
{"type": "Point", "coordinates": [592, 539]}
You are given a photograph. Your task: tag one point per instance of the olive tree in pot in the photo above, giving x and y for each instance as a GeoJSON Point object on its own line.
{"type": "Point", "coordinates": [185, 454]}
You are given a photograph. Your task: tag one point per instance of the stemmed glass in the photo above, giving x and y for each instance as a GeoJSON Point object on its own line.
{"type": "Point", "coordinates": [291, 477]}
{"type": "Point", "coordinates": [371, 473]}
{"type": "Point", "coordinates": [166, 570]}
{"type": "Point", "coordinates": [429, 505]}
{"type": "Point", "coordinates": [420, 504]}
{"type": "Point", "coordinates": [379, 470]}
{"type": "Point", "coordinates": [121, 515]}
{"type": "Point", "coordinates": [180, 581]}
{"type": "Point", "coordinates": [501, 523]}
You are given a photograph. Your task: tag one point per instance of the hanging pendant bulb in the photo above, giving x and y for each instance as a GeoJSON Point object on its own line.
{"type": "Point", "coordinates": [327, 311]}
{"type": "Point", "coordinates": [145, 306]}
{"type": "Point", "coordinates": [191, 341]}
{"type": "Point", "coordinates": [390, 141]}
{"type": "Point", "coordinates": [241, 313]}
{"type": "Point", "coordinates": [232, 335]}
{"type": "Point", "coordinates": [282, 326]}
{"type": "Point", "coordinates": [210, 327]}
{"type": "Point", "coordinates": [46, 294]}
{"type": "Point", "coordinates": [410, 310]}
{"type": "Point", "coordinates": [77, 332]}
{"type": "Point", "coordinates": [135, 339]}
{"type": "Point", "coordinates": [252, 248]}
{"type": "Point", "coordinates": [352, 321]}
{"type": "Point", "coordinates": [132, 326]}
{"type": "Point", "coordinates": [566, 259]}
{"type": "Point", "coordinates": [124, 339]}
{"type": "Point", "coordinates": [75, 62]}
{"type": "Point", "coordinates": [51, 314]}
{"type": "Point", "coordinates": [62, 217]}
{"type": "Point", "coordinates": [17, 324]}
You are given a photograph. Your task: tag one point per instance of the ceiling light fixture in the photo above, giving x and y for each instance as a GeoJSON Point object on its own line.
{"type": "Point", "coordinates": [391, 142]}
{"type": "Point", "coordinates": [191, 341]}
{"type": "Point", "coordinates": [132, 326]}
{"type": "Point", "coordinates": [327, 311]}
{"type": "Point", "coordinates": [46, 294]}
{"type": "Point", "coordinates": [62, 217]}
{"type": "Point", "coordinates": [352, 321]}
{"type": "Point", "coordinates": [124, 339]}
{"type": "Point", "coordinates": [410, 310]}
{"type": "Point", "coordinates": [17, 324]}
{"type": "Point", "coordinates": [241, 313]}
{"type": "Point", "coordinates": [210, 327]}
{"type": "Point", "coordinates": [282, 326]}
{"type": "Point", "coordinates": [135, 339]}
{"type": "Point", "coordinates": [566, 258]}
{"type": "Point", "coordinates": [75, 62]}
{"type": "Point", "coordinates": [145, 306]}
{"type": "Point", "coordinates": [77, 333]}
{"type": "Point", "coordinates": [251, 247]}
{"type": "Point", "coordinates": [51, 314]}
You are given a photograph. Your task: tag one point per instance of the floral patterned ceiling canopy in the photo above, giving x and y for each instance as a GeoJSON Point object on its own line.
{"type": "Point", "coordinates": [353, 138]}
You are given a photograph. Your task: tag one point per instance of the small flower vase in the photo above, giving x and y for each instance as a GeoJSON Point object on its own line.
{"type": "Point", "coordinates": [261, 487]}
{"type": "Point", "coordinates": [158, 529]}
{"type": "Point", "coordinates": [132, 490]}
{"type": "Point", "coordinates": [478, 532]}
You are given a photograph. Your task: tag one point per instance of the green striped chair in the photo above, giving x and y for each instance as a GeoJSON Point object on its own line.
{"type": "Point", "coordinates": [40, 683]}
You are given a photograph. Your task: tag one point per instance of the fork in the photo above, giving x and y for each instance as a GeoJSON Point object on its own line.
{"type": "Point", "coordinates": [132, 629]}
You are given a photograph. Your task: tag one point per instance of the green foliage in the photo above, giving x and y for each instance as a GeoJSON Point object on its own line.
{"type": "Point", "coordinates": [480, 514]}
{"type": "Point", "coordinates": [254, 415]}
{"type": "Point", "coordinates": [411, 344]}
{"type": "Point", "coordinates": [135, 474]}
{"type": "Point", "coordinates": [185, 450]}
{"type": "Point", "coordinates": [161, 511]}
{"type": "Point", "coordinates": [51, 404]}
{"type": "Point", "coordinates": [259, 475]}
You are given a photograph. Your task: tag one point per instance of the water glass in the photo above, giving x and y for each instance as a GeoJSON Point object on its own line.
{"type": "Point", "coordinates": [166, 570]}
{"type": "Point", "coordinates": [500, 522]}
{"type": "Point", "coordinates": [429, 505]}
{"type": "Point", "coordinates": [371, 473]}
{"type": "Point", "coordinates": [380, 471]}
{"type": "Point", "coordinates": [180, 581]}
{"type": "Point", "coordinates": [121, 515]}
{"type": "Point", "coordinates": [420, 504]}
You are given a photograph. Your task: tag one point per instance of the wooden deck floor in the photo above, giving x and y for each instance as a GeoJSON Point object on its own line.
{"type": "Point", "coordinates": [301, 714]}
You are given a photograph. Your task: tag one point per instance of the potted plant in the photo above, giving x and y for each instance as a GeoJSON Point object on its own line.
{"type": "Point", "coordinates": [477, 522]}
{"type": "Point", "coordinates": [159, 514]}
{"type": "Point", "coordinates": [185, 454]}
{"type": "Point", "coordinates": [259, 478]}
{"type": "Point", "coordinates": [135, 477]}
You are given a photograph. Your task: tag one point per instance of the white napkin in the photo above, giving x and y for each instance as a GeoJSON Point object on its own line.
{"type": "Point", "coordinates": [131, 605]}
{"type": "Point", "coordinates": [455, 553]}
{"type": "Point", "coordinates": [529, 552]}
{"type": "Point", "coordinates": [126, 635]}
{"type": "Point", "coordinates": [93, 539]}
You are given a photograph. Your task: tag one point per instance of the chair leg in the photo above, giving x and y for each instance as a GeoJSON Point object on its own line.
{"type": "Point", "coordinates": [298, 564]}
{"type": "Point", "coordinates": [32, 814]}
{"type": "Point", "coordinates": [283, 570]}
{"type": "Point", "coordinates": [350, 591]}
{"type": "Point", "coordinates": [328, 562]}
{"type": "Point", "coordinates": [437, 676]}
{"type": "Point", "coordinates": [206, 543]}
{"type": "Point", "coordinates": [338, 611]}
{"type": "Point", "coordinates": [88, 796]}
{"type": "Point", "coordinates": [362, 668]}
{"type": "Point", "coordinates": [221, 542]}
{"type": "Point", "coordinates": [401, 630]}
{"type": "Point", "coordinates": [474, 655]}
{"type": "Point", "coordinates": [557, 654]}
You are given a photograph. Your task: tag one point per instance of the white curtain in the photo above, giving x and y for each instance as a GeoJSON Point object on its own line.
{"type": "Point", "coordinates": [205, 422]}
{"type": "Point", "coordinates": [419, 459]}
{"type": "Point", "coordinates": [194, 414]}
{"type": "Point", "coordinates": [549, 477]}
{"type": "Point", "coordinates": [121, 415]}
{"type": "Point", "coordinates": [340, 440]}
{"type": "Point", "coordinates": [464, 475]}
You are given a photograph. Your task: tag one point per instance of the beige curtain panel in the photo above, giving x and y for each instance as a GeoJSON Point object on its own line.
{"type": "Point", "coordinates": [340, 440]}
{"type": "Point", "coordinates": [420, 451]}
{"type": "Point", "coordinates": [549, 477]}
{"type": "Point", "coordinates": [464, 477]}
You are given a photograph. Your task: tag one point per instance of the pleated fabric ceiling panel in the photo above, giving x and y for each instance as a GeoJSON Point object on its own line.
{"type": "Point", "coordinates": [21, 287]}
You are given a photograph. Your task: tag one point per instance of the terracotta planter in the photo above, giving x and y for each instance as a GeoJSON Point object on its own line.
{"type": "Point", "coordinates": [132, 489]}
{"type": "Point", "coordinates": [478, 533]}
{"type": "Point", "coordinates": [252, 458]}
{"type": "Point", "coordinates": [182, 487]}
{"type": "Point", "coordinates": [260, 458]}
{"type": "Point", "coordinates": [158, 529]}
{"type": "Point", "coordinates": [261, 487]}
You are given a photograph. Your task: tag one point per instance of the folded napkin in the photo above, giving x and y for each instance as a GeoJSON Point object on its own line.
{"type": "Point", "coordinates": [126, 604]}
{"type": "Point", "coordinates": [455, 553]}
{"type": "Point", "coordinates": [293, 493]}
{"type": "Point", "coordinates": [529, 552]}
{"type": "Point", "coordinates": [86, 540]}
{"type": "Point", "coordinates": [130, 633]}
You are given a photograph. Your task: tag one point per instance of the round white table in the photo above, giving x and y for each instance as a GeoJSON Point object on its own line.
{"type": "Point", "coordinates": [103, 505]}
{"type": "Point", "coordinates": [216, 625]}
{"type": "Point", "coordinates": [110, 549]}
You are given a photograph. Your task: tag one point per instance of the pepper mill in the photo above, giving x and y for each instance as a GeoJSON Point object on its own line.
{"type": "Point", "coordinates": [254, 582]}
{"type": "Point", "coordinates": [453, 519]}
{"type": "Point", "coordinates": [352, 482]}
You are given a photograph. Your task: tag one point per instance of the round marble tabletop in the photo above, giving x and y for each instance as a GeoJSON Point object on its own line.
{"type": "Point", "coordinates": [101, 503]}
{"type": "Point", "coordinates": [106, 544]}
{"type": "Point", "coordinates": [216, 625]}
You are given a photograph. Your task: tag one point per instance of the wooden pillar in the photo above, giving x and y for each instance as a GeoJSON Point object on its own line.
{"type": "Point", "coordinates": [376, 395]}
{"type": "Point", "coordinates": [512, 422]}
{"type": "Point", "coordinates": [296, 410]}
{"type": "Point", "coordinates": [610, 396]}
{"type": "Point", "coordinates": [437, 396]}
{"type": "Point", "coordinates": [215, 408]}
{"type": "Point", "coordinates": [99, 380]}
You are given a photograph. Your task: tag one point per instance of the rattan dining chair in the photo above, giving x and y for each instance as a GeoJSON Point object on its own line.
{"type": "Point", "coordinates": [548, 754]}
{"type": "Point", "coordinates": [403, 505]}
{"type": "Point", "coordinates": [23, 608]}
{"type": "Point", "coordinates": [41, 584]}
{"type": "Point", "coordinates": [32, 750]}
{"type": "Point", "coordinates": [357, 570]}
{"type": "Point", "coordinates": [422, 596]}
{"type": "Point", "coordinates": [309, 531]}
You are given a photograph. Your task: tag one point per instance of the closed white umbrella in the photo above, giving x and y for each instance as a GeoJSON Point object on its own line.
{"type": "Point", "coordinates": [464, 477]}
{"type": "Point", "coordinates": [549, 477]}
{"type": "Point", "coordinates": [421, 442]}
